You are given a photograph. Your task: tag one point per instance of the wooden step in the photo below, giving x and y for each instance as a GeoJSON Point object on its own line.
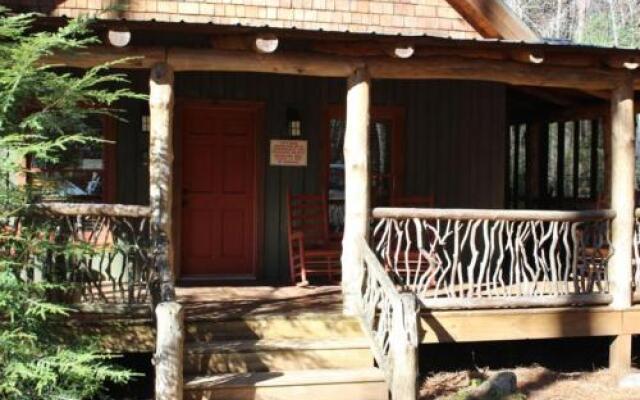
{"type": "Point", "coordinates": [232, 356]}
{"type": "Point", "coordinates": [284, 326]}
{"type": "Point", "coordinates": [321, 384]}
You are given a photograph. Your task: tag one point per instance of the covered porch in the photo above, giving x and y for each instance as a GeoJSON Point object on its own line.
{"type": "Point", "coordinates": [412, 274]}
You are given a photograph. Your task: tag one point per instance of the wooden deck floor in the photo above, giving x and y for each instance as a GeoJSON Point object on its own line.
{"type": "Point", "coordinates": [133, 329]}
{"type": "Point", "coordinates": [225, 302]}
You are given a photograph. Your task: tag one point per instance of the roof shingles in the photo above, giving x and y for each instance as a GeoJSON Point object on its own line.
{"type": "Point", "coordinates": [406, 17]}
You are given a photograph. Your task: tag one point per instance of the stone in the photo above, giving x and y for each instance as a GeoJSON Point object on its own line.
{"type": "Point", "coordinates": [499, 385]}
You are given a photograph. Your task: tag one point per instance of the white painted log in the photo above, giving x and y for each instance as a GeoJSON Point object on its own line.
{"type": "Point", "coordinates": [404, 349]}
{"type": "Point", "coordinates": [356, 163]}
{"type": "Point", "coordinates": [168, 357]}
{"type": "Point", "coordinates": [622, 193]}
{"type": "Point", "coordinates": [161, 173]}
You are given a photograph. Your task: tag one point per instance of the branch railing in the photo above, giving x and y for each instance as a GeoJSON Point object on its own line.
{"type": "Point", "coordinates": [102, 252]}
{"type": "Point", "coordinates": [458, 258]}
{"type": "Point", "coordinates": [389, 317]}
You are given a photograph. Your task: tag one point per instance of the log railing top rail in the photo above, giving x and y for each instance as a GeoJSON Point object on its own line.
{"type": "Point", "coordinates": [94, 209]}
{"type": "Point", "coordinates": [493, 215]}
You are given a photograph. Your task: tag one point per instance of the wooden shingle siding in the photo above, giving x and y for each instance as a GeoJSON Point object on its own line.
{"type": "Point", "coordinates": [455, 146]}
{"type": "Point", "coordinates": [407, 17]}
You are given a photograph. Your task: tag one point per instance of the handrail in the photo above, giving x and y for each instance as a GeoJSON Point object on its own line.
{"type": "Point", "coordinates": [95, 209]}
{"type": "Point", "coordinates": [389, 318]}
{"type": "Point", "coordinates": [493, 215]}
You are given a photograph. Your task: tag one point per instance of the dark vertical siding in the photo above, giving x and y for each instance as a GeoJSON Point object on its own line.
{"type": "Point", "coordinates": [454, 141]}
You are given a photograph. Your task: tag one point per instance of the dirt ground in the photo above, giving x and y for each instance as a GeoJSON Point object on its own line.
{"type": "Point", "coordinates": [535, 383]}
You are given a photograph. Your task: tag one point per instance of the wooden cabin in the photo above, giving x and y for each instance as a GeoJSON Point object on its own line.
{"type": "Point", "coordinates": [471, 181]}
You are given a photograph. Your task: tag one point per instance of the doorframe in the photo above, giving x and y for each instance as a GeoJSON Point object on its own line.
{"type": "Point", "coordinates": [259, 170]}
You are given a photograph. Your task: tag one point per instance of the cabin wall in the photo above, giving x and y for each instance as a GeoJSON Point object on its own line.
{"type": "Point", "coordinates": [455, 141]}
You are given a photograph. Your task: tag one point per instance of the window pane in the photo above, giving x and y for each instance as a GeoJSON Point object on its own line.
{"type": "Point", "coordinates": [584, 160]}
{"type": "Point", "coordinates": [336, 175]}
{"type": "Point", "coordinates": [600, 163]}
{"type": "Point", "coordinates": [79, 175]}
{"type": "Point", "coordinates": [522, 161]}
{"type": "Point", "coordinates": [380, 163]}
{"type": "Point", "coordinates": [569, 129]}
{"type": "Point", "coordinates": [379, 167]}
{"type": "Point", "coordinates": [552, 167]}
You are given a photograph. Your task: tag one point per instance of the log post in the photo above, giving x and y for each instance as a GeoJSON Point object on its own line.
{"type": "Point", "coordinates": [622, 201]}
{"type": "Point", "coordinates": [169, 351]}
{"type": "Point", "coordinates": [404, 349]}
{"type": "Point", "coordinates": [161, 173]}
{"type": "Point", "coordinates": [169, 314]}
{"type": "Point", "coordinates": [356, 187]}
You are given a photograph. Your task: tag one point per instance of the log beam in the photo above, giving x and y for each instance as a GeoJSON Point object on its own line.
{"type": "Point", "coordinates": [161, 173]}
{"type": "Point", "coordinates": [622, 201]}
{"type": "Point", "coordinates": [356, 188]}
{"type": "Point", "coordinates": [326, 65]}
{"type": "Point", "coordinates": [132, 57]}
{"type": "Point", "coordinates": [510, 72]}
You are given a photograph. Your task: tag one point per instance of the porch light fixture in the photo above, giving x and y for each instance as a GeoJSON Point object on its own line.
{"type": "Point", "coordinates": [294, 122]}
{"type": "Point", "coordinates": [119, 37]}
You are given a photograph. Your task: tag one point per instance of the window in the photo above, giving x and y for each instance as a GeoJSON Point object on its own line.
{"type": "Point", "coordinates": [517, 164]}
{"type": "Point", "coordinates": [86, 173]}
{"type": "Point", "coordinates": [385, 141]}
{"type": "Point", "coordinates": [570, 168]}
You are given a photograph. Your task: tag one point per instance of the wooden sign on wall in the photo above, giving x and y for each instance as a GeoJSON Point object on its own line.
{"type": "Point", "coordinates": [288, 153]}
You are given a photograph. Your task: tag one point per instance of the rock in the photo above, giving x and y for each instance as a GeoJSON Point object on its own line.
{"type": "Point", "coordinates": [499, 385]}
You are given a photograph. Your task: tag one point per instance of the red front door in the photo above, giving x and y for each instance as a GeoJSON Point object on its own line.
{"type": "Point", "coordinates": [218, 191]}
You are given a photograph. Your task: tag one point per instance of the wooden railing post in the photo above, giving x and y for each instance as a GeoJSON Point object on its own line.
{"type": "Point", "coordinates": [168, 358]}
{"type": "Point", "coordinates": [161, 172]}
{"type": "Point", "coordinates": [169, 313]}
{"type": "Point", "coordinates": [622, 201]}
{"type": "Point", "coordinates": [356, 188]}
{"type": "Point", "coordinates": [404, 349]}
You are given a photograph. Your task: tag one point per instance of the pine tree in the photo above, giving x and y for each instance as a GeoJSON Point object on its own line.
{"type": "Point", "coordinates": [44, 112]}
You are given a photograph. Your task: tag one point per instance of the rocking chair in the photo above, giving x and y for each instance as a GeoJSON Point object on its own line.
{"type": "Point", "coordinates": [311, 251]}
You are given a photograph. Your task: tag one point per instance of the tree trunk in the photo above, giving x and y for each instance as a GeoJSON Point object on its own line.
{"type": "Point", "coordinates": [161, 174]}
{"type": "Point", "coordinates": [622, 201]}
{"type": "Point", "coordinates": [168, 358]}
{"type": "Point", "coordinates": [356, 187]}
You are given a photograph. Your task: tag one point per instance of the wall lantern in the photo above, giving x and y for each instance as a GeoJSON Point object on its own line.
{"type": "Point", "coordinates": [294, 123]}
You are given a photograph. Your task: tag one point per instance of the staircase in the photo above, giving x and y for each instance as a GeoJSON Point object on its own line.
{"type": "Point", "coordinates": [314, 355]}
